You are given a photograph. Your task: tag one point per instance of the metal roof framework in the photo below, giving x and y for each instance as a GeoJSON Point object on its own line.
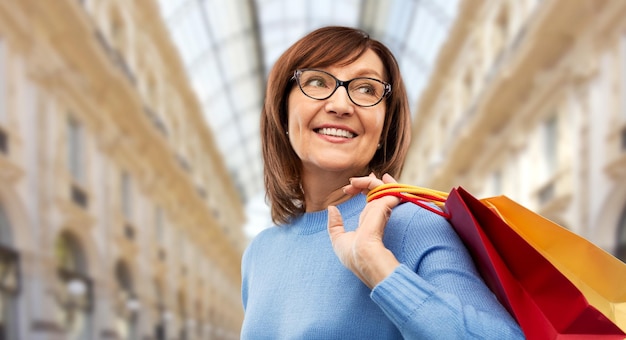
{"type": "Point", "coordinates": [229, 46]}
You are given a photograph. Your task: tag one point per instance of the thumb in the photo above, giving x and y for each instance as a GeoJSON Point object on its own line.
{"type": "Point", "coordinates": [335, 223]}
{"type": "Point", "coordinates": [388, 179]}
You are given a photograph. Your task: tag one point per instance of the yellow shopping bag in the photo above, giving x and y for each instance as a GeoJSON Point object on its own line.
{"type": "Point", "coordinates": [597, 274]}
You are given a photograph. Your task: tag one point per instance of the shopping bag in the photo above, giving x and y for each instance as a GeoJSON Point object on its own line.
{"type": "Point", "coordinates": [597, 274]}
{"type": "Point", "coordinates": [543, 301]}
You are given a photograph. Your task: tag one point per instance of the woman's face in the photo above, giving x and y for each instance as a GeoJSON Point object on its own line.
{"type": "Point", "coordinates": [334, 134]}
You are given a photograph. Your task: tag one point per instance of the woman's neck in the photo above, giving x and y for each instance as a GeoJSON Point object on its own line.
{"type": "Point", "coordinates": [320, 191]}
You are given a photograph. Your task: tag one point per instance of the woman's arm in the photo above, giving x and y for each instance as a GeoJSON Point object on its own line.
{"type": "Point", "coordinates": [443, 298]}
{"type": "Point", "coordinates": [362, 250]}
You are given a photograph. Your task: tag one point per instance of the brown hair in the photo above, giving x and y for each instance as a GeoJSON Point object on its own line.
{"type": "Point", "coordinates": [325, 47]}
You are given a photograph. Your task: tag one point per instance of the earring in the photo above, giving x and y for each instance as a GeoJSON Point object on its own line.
{"type": "Point", "coordinates": [378, 146]}
{"type": "Point", "coordinates": [287, 133]}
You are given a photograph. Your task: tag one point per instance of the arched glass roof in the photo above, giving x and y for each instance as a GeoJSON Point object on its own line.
{"type": "Point", "coordinates": [229, 46]}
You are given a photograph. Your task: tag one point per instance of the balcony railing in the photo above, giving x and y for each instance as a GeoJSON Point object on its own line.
{"type": "Point", "coordinates": [9, 270]}
{"type": "Point", "coordinates": [4, 142]}
{"type": "Point", "coordinates": [116, 57]}
{"type": "Point", "coordinates": [201, 192]}
{"type": "Point", "coordinates": [556, 193]}
{"type": "Point", "coordinates": [616, 158]}
{"type": "Point", "coordinates": [183, 163]}
{"type": "Point", "coordinates": [546, 194]}
{"type": "Point", "coordinates": [161, 255]}
{"type": "Point", "coordinates": [129, 232]}
{"type": "Point", "coordinates": [79, 289]}
{"type": "Point", "coordinates": [156, 120]}
{"type": "Point", "coordinates": [79, 196]}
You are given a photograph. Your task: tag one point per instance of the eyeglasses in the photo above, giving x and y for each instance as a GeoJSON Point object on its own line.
{"type": "Point", "coordinates": [320, 85]}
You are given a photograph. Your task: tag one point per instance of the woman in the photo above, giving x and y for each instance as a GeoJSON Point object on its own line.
{"type": "Point", "coordinates": [335, 267]}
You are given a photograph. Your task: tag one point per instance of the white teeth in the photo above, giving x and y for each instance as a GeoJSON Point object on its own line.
{"type": "Point", "coordinates": [336, 132]}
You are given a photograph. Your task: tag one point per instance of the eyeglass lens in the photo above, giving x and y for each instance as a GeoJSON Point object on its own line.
{"type": "Point", "coordinates": [321, 85]}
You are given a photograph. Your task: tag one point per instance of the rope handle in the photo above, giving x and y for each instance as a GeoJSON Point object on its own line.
{"type": "Point", "coordinates": [414, 194]}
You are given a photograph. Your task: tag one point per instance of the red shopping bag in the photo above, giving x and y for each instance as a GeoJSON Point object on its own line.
{"type": "Point", "coordinates": [600, 276]}
{"type": "Point", "coordinates": [543, 301]}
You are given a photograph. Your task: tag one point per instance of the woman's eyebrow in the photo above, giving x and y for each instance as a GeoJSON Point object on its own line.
{"type": "Point", "coordinates": [366, 73]}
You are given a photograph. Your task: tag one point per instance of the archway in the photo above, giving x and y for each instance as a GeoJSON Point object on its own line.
{"type": "Point", "coordinates": [75, 295]}
{"type": "Point", "coordinates": [609, 222]}
{"type": "Point", "coordinates": [620, 249]}
{"type": "Point", "coordinates": [9, 279]}
{"type": "Point", "coordinates": [160, 328]}
{"type": "Point", "coordinates": [127, 304]}
{"type": "Point", "coordinates": [182, 314]}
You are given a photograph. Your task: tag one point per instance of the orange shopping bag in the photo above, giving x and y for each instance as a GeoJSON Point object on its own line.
{"type": "Point", "coordinates": [545, 303]}
{"type": "Point", "coordinates": [597, 274]}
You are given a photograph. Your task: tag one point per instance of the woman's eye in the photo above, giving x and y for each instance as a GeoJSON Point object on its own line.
{"type": "Point", "coordinates": [315, 82]}
{"type": "Point", "coordinates": [367, 89]}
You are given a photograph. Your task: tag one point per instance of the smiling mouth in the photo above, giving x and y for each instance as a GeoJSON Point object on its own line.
{"type": "Point", "coordinates": [335, 132]}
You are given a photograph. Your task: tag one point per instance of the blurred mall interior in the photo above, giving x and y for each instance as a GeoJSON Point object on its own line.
{"type": "Point", "coordinates": [130, 171]}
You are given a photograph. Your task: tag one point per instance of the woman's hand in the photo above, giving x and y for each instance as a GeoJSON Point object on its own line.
{"type": "Point", "coordinates": [362, 251]}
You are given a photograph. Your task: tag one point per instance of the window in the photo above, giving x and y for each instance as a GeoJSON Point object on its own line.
{"type": "Point", "coordinates": [179, 243]}
{"type": "Point", "coordinates": [9, 282]}
{"type": "Point", "coordinates": [119, 42]}
{"type": "Point", "coordinates": [500, 34]}
{"type": "Point", "coordinates": [75, 151]}
{"type": "Point", "coordinates": [75, 155]}
{"type": "Point", "coordinates": [126, 199]}
{"type": "Point", "coordinates": [198, 315]}
{"type": "Point", "coordinates": [620, 252]}
{"type": "Point", "coordinates": [75, 292]}
{"type": "Point", "coordinates": [468, 82]}
{"type": "Point", "coordinates": [496, 183]}
{"type": "Point", "coordinates": [126, 193]}
{"type": "Point", "coordinates": [160, 233]}
{"type": "Point", "coordinates": [550, 145]}
{"type": "Point", "coordinates": [623, 109]}
{"type": "Point", "coordinates": [3, 82]}
{"type": "Point", "coordinates": [624, 78]}
{"type": "Point", "coordinates": [5, 228]}
{"type": "Point", "coordinates": [69, 254]}
{"type": "Point", "coordinates": [159, 225]}
{"type": "Point", "coordinates": [182, 313]}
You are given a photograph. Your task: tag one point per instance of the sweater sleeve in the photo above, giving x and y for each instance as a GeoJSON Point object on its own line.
{"type": "Point", "coordinates": [436, 293]}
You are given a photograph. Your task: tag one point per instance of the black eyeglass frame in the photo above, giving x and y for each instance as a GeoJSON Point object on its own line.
{"type": "Point", "coordinates": [345, 83]}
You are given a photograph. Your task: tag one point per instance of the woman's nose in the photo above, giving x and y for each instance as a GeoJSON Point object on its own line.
{"type": "Point", "coordinates": [340, 103]}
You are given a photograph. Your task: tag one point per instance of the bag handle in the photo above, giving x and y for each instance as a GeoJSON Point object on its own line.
{"type": "Point", "coordinates": [414, 194]}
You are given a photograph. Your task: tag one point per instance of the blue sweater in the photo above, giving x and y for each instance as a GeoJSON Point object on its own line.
{"type": "Point", "coordinates": [294, 287]}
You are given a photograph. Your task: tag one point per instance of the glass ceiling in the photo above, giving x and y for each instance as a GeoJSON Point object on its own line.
{"type": "Point", "coordinates": [229, 46]}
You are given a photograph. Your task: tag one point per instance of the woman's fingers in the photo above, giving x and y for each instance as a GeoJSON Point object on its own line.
{"type": "Point", "coordinates": [366, 183]}
{"type": "Point", "coordinates": [341, 241]}
{"type": "Point", "coordinates": [362, 184]}
{"type": "Point", "coordinates": [362, 250]}
{"type": "Point", "coordinates": [388, 179]}
{"type": "Point", "coordinates": [335, 224]}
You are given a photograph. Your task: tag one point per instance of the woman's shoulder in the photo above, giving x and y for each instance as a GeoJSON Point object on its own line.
{"type": "Point", "coordinates": [267, 233]}
{"type": "Point", "coordinates": [412, 222]}
{"type": "Point", "coordinates": [413, 231]}
{"type": "Point", "coordinates": [260, 240]}
{"type": "Point", "coordinates": [414, 214]}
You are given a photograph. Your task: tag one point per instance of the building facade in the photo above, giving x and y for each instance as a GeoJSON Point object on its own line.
{"type": "Point", "coordinates": [118, 219]}
{"type": "Point", "coordinates": [529, 100]}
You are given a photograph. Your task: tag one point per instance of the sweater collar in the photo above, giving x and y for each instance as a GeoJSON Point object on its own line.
{"type": "Point", "coordinates": [314, 222]}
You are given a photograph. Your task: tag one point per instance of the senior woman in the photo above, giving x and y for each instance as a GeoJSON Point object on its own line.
{"type": "Point", "coordinates": [336, 123]}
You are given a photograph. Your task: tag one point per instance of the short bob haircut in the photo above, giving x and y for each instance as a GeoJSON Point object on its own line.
{"type": "Point", "coordinates": [324, 47]}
